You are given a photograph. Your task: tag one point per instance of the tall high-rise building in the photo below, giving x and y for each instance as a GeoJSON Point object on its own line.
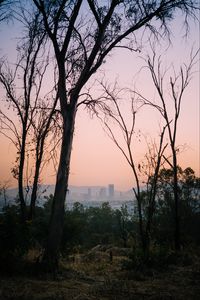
{"type": "Point", "coordinates": [111, 190]}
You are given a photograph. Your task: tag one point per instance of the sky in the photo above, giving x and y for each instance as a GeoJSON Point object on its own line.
{"type": "Point", "coordinates": [95, 158]}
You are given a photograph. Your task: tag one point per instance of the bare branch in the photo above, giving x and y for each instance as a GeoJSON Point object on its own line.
{"type": "Point", "coordinates": [94, 11]}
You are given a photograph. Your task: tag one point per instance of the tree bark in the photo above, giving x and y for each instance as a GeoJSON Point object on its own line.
{"type": "Point", "coordinates": [51, 254]}
{"type": "Point", "coordinates": [35, 188]}
{"type": "Point", "coordinates": [141, 227]}
{"type": "Point", "coordinates": [177, 241]}
{"type": "Point", "coordinates": [20, 176]}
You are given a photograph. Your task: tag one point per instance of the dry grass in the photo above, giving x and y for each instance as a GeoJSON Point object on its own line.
{"type": "Point", "coordinates": [95, 277]}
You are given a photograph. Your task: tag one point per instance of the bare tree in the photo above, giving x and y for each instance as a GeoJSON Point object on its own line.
{"type": "Point", "coordinates": [46, 134]}
{"type": "Point", "coordinates": [151, 168]}
{"type": "Point", "coordinates": [45, 138]}
{"type": "Point", "coordinates": [177, 86]}
{"type": "Point", "coordinates": [82, 35]}
{"type": "Point", "coordinates": [111, 105]}
{"type": "Point", "coordinates": [29, 71]}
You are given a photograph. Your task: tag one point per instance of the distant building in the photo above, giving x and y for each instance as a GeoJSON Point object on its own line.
{"type": "Point", "coordinates": [89, 193]}
{"type": "Point", "coordinates": [111, 191]}
{"type": "Point", "coordinates": [102, 193]}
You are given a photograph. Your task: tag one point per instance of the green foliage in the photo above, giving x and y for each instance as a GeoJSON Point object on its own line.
{"type": "Point", "coordinates": [74, 228]}
{"type": "Point", "coordinates": [14, 237]}
{"type": "Point", "coordinates": [88, 227]}
{"type": "Point", "coordinates": [124, 226]}
{"type": "Point", "coordinates": [159, 259]}
{"type": "Point", "coordinates": [84, 228]}
{"type": "Point", "coordinates": [17, 237]}
{"type": "Point", "coordinates": [189, 207]}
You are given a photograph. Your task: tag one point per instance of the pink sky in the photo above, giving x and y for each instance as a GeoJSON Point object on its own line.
{"type": "Point", "coordinates": [95, 159]}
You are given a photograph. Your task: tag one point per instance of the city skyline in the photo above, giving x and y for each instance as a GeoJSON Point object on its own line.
{"type": "Point", "coordinates": [88, 196]}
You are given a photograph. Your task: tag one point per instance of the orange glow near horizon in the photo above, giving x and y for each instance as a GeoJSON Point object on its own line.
{"type": "Point", "coordinates": [95, 158]}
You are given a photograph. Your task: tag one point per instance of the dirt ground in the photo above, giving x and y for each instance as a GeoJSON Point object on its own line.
{"type": "Point", "coordinates": [100, 279]}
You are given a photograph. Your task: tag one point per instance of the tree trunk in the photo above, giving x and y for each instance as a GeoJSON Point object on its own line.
{"type": "Point", "coordinates": [20, 177]}
{"type": "Point", "coordinates": [176, 204]}
{"type": "Point", "coordinates": [51, 254]}
{"type": "Point", "coordinates": [35, 188]}
{"type": "Point", "coordinates": [39, 157]}
{"type": "Point", "coordinates": [141, 229]}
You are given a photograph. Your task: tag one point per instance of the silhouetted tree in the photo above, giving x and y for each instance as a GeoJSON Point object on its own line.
{"type": "Point", "coordinates": [46, 137]}
{"type": "Point", "coordinates": [188, 191]}
{"type": "Point", "coordinates": [33, 117]}
{"type": "Point", "coordinates": [82, 35]}
{"type": "Point", "coordinates": [177, 86]}
{"type": "Point", "coordinates": [122, 217]}
{"type": "Point", "coordinates": [114, 116]}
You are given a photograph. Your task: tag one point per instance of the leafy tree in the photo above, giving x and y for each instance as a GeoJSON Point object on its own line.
{"type": "Point", "coordinates": [188, 190]}
{"type": "Point", "coordinates": [15, 239]}
{"type": "Point", "coordinates": [123, 224]}
{"type": "Point", "coordinates": [100, 224]}
{"type": "Point", "coordinates": [75, 232]}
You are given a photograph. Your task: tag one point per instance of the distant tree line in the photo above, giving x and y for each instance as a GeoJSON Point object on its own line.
{"type": "Point", "coordinates": [84, 228]}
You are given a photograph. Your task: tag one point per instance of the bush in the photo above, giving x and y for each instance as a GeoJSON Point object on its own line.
{"type": "Point", "coordinates": [159, 258]}
{"type": "Point", "coordinates": [14, 238]}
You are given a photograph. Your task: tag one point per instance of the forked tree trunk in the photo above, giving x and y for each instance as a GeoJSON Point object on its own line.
{"type": "Point", "coordinates": [39, 157]}
{"type": "Point", "coordinates": [35, 188]}
{"type": "Point", "coordinates": [52, 249]}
